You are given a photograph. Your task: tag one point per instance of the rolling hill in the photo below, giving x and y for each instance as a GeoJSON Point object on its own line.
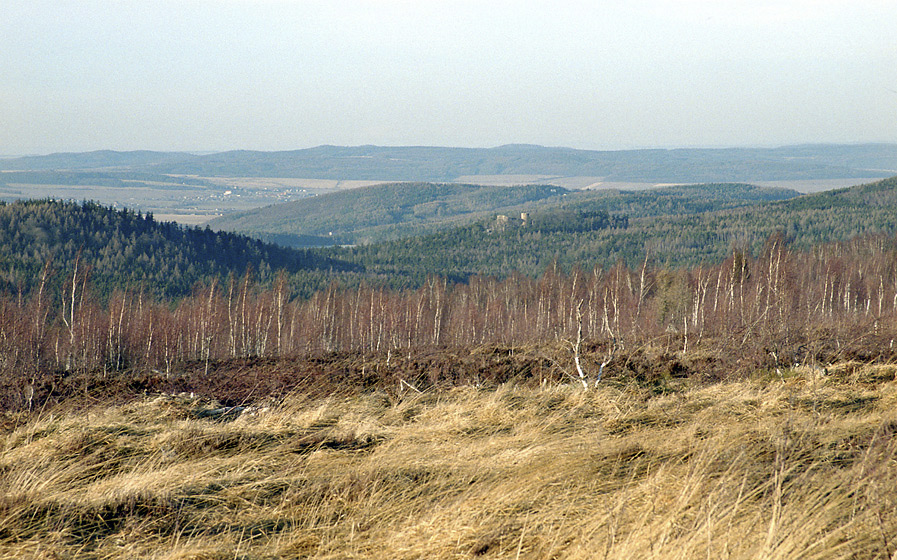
{"type": "Point", "coordinates": [123, 249]}
{"type": "Point", "coordinates": [386, 211]}
{"type": "Point", "coordinates": [673, 226]}
{"type": "Point", "coordinates": [100, 159]}
{"type": "Point", "coordinates": [396, 210]}
{"type": "Point", "coordinates": [665, 233]}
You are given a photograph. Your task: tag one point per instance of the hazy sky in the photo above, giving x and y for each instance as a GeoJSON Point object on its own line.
{"type": "Point", "coordinates": [279, 74]}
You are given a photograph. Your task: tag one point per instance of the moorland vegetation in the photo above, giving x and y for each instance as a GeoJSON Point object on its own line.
{"type": "Point", "coordinates": [735, 407]}
{"type": "Point", "coordinates": [800, 468]}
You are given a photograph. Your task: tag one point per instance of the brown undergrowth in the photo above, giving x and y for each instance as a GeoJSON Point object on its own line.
{"type": "Point", "coordinates": [235, 381]}
{"type": "Point", "coordinates": [797, 465]}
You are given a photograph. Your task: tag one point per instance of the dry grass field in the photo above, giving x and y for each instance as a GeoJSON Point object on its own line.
{"type": "Point", "coordinates": [802, 466]}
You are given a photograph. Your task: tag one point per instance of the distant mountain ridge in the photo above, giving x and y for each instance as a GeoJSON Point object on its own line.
{"type": "Point", "coordinates": [423, 163]}
{"type": "Point", "coordinates": [101, 159]}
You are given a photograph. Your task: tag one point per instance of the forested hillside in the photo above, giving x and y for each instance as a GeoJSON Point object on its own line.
{"type": "Point", "coordinates": [395, 210]}
{"type": "Point", "coordinates": [664, 227]}
{"type": "Point", "coordinates": [675, 226]}
{"type": "Point", "coordinates": [385, 211]}
{"type": "Point", "coordinates": [124, 249]}
{"type": "Point", "coordinates": [676, 200]}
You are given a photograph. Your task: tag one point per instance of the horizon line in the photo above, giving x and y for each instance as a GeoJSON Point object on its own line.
{"type": "Point", "coordinates": [437, 146]}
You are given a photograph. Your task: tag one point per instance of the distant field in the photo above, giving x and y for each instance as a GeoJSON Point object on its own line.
{"type": "Point", "coordinates": [816, 185]}
{"type": "Point", "coordinates": [598, 183]}
{"type": "Point", "coordinates": [195, 200]}
{"type": "Point", "coordinates": [315, 186]}
{"type": "Point", "coordinates": [506, 180]}
{"type": "Point", "coordinates": [186, 204]}
{"type": "Point", "coordinates": [186, 219]}
{"type": "Point", "coordinates": [566, 182]}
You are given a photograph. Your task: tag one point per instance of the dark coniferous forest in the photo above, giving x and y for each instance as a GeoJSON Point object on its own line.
{"type": "Point", "coordinates": [127, 250]}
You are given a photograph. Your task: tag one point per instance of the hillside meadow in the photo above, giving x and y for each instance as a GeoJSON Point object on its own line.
{"type": "Point", "coordinates": [800, 465]}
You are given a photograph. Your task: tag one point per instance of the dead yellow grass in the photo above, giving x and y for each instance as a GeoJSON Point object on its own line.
{"type": "Point", "coordinates": [800, 468]}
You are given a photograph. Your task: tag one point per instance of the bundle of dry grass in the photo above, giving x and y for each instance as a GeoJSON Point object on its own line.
{"type": "Point", "coordinates": [805, 468]}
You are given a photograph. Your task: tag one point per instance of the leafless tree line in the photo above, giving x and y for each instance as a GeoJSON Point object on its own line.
{"type": "Point", "coordinates": [779, 302]}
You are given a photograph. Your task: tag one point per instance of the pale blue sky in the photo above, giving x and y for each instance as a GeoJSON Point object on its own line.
{"type": "Point", "coordinates": [280, 74]}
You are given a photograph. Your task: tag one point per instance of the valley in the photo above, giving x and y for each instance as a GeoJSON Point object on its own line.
{"type": "Point", "coordinates": [192, 188]}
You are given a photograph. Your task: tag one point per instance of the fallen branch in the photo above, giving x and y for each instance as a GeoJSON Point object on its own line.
{"type": "Point", "coordinates": [403, 383]}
